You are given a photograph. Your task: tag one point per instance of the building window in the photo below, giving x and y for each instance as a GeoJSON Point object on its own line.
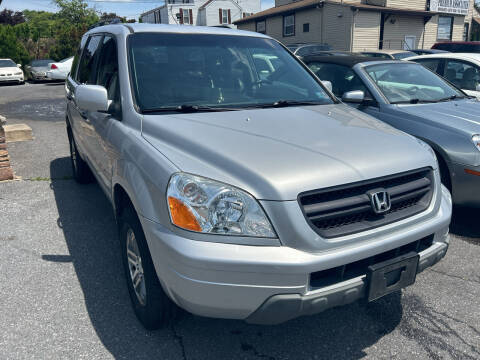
{"type": "Point", "coordinates": [465, 31]}
{"type": "Point", "coordinates": [289, 25]}
{"type": "Point", "coordinates": [306, 27]}
{"type": "Point", "coordinates": [186, 16]}
{"type": "Point", "coordinates": [246, 14]}
{"type": "Point", "coordinates": [261, 27]}
{"type": "Point", "coordinates": [445, 27]}
{"type": "Point", "coordinates": [224, 16]}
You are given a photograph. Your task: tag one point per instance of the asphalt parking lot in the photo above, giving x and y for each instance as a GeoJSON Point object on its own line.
{"type": "Point", "coordinates": [63, 293]}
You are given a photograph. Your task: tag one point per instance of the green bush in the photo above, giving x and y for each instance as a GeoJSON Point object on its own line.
{"type": "Point", "coordinates": [10, 47]}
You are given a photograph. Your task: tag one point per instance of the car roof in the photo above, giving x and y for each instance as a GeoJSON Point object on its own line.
{"type": "Point", "coordinates": [349, 61]}
{"type": "Point", "coordinates": [175, 29]}
{"type": "Point", "coordinates": [459, 56]}
{"type": "Point", "coordinates": [6, 59]}
{"type": "Point", "coordinates": [387, 51]}
{"type": "Point", "coordinates": [458, 42]}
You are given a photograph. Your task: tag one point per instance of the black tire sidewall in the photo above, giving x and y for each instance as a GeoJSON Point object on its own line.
{"type": "Point", "coordinates": [154, 313]}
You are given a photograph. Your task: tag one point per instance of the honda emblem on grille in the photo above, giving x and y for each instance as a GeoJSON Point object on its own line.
{"type": "Point", "coordinates": [380, 201]}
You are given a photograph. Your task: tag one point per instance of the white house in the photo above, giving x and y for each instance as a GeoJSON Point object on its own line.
{"type": "Point", "coordinates": [201, 12]}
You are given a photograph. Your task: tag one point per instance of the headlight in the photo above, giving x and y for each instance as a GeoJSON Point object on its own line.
{"type": "Point", "coordinates": [476, 141]}
{"type": "Point", "coordinates": [208, 206]}
{"type": "Point", "coordinates": [18, 73]}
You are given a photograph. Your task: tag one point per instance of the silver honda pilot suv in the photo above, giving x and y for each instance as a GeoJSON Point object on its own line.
{"type": "Point", "coordinates": [242, 188]}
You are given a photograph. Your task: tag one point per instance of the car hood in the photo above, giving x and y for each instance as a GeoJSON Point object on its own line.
{"type": "Point", "coordinates": [275, 154]}
{"type": "Point", "coordinates": [459, 115]}
{"type": "Point", "coordinates": [9, 70]}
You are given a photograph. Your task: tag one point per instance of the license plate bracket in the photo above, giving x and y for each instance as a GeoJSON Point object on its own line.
{"type": "Point", "coordinates": [391, 275]}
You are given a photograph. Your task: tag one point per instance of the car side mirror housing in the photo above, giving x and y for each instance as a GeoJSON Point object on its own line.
{"type": "Point", "coordinates": [356, 97]}
{"type": "Point", "coordinates": [91, 98]}
{"type": "Point", "coordinates": [19, 65]}
{"type": "Point", "coordinates": [328, 85]}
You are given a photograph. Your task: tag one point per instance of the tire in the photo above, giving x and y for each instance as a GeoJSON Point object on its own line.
{"type": "Point", "coordinates": [152, 306]}
{"type": "Point", "coordinates": [81, 171]}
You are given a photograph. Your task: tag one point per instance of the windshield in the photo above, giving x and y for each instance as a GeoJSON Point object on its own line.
{"type": "Point", "coordinates": [38, 63]}
{"type": "Point", "coordinates": [7, 63]}
{"type": "Point", "coordinates": [223, 71]}
{"type": "Point", "coordinates": [410, 83]}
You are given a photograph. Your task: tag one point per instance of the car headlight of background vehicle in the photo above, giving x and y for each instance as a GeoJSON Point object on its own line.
{"type": "Point", "coordinates": [18, 73]}
{"type": "Point", "coordinates": [476, 141]}
{"type": "Point", "coordinates": [208, 206]}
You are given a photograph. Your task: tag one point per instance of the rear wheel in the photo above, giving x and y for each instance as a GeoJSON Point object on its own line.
{"type": "Point", "coordinates": [152, 306]}
{"type": "Point", "coordinates": [80, 169]}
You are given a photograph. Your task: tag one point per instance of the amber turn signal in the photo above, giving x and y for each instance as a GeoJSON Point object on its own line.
{"type": "Point", "coordinates": [182, 216]}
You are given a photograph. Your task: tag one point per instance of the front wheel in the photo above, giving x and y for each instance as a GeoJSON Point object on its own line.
{"type": "Point", "coordinates": [152, 306]}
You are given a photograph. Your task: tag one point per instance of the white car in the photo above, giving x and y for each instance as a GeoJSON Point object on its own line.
{"type": "Point", "coordinates": [11, 72]}
{"type": "Point", "coordinates": [60, 70]}
{"type": "Point", "coordinates": [461, 69]}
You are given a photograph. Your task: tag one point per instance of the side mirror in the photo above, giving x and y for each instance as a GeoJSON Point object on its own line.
{"type": "Point", "coordinates": [91, 98]}
{"type": "Point", "coordinates": [328, 85]}
{"type": "Point", "coordinates": [356, 97]}
{"type": "Point", "coordinates": [19, 65]}
{"type": "Point", "coordinates": [477, 88]}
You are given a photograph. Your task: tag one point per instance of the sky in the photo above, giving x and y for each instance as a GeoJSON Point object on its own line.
{"type": "Point", "coordinates": [128, 8]}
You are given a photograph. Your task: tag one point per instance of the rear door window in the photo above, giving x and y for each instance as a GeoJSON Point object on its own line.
{"type": "Point", "coordinates": [86, 73]}
{"type": "Point", "coordinates": [432, 64]}
{"type": "Point", "coordinates": [462, 74]}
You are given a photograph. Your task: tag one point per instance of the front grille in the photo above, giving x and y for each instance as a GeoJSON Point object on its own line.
{"type": "Point", "coordinates": [349, 271]}
{"type": "Point", "coordinates": [346, 209]}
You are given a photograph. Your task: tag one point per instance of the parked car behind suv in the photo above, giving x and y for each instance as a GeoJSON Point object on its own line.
{"type": "Point", "coordinates": [462, 70]}
{"type": "Point", "coordinates": [245, 194]}
{"type": "Point", "coordinates": [458, 46]}
{"type": "Point", "coordinates": [416, 100]}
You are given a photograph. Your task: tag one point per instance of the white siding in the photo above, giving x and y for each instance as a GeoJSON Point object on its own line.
{"type": "Point", "coordinates": [407, 4]}
{"type": "Point", "coordinates": [430, 33]}
{"type": "Point", "coordinates": [366, 32]}
{"type": "Point", "coordinates": [394, 34]}
{"type": "Point", "coordinates": [337, 26]}
{"type": "Point", "coordinates": [211, 12]}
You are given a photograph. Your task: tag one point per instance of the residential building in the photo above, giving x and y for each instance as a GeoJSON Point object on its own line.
{"type": "Point", "coordinates": [201, 12]}
{"type": "Point", "coordinates": [365, 24]}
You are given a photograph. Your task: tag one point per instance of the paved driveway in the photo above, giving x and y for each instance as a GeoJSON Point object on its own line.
{"type": "Point", "coordinates": [63, 294]}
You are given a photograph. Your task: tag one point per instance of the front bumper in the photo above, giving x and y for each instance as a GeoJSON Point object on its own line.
{"type": "Point", "coordinates": [465, 184]}
{"type": "Point", "coordinates": [13, 78]}
{"type": "Point", "coordinates": [270, 284]}
{"type": "Point", "coordinates": [284, 307]}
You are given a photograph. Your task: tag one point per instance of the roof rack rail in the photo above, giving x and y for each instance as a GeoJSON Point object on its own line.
{"type": "Point", "coordinates": [221, 26]}
{"type": "Point", "coordinates": [113, 21]}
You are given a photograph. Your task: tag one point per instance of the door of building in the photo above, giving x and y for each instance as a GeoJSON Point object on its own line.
{"type": "Point", "coordinates": [409, 43]}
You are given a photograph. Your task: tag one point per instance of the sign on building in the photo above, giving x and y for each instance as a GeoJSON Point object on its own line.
{"type": "Point", "coordinates": [459, 7]}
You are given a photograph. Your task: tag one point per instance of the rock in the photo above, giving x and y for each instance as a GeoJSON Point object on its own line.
{"type": "Point", "coordinates": [6, 173]}
{"type": "Point", "coordinates": [18, 132]}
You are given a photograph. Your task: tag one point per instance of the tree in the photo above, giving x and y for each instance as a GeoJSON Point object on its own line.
{"type": "Point", "coordinates": [111, 16]}
{"type": "Point", "coordinates": [73, 20]}
{"type": "Point", "coordinates": [11, 18]}
{"type": "Point", "coordinates": [10, 47]}
{"type": "Point", "coordinates": [76, 12]}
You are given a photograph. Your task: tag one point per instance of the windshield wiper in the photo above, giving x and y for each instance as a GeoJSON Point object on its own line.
{"type": "Point", "coordinates": [453, 97]}
{"type": "Point", "coordinates": [285, 103]}
{"type": "Point", "coordinates": [187, 108]}
{"type": "Point", "coordinates": [415, 101]}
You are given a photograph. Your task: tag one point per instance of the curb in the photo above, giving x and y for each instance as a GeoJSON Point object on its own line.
{"type": "Point", "coordinates": [6, 172]}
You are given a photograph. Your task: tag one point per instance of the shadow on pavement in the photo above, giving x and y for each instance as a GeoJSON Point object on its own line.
{"type": "Point", "coordinates": [86, 219]}
{"type": "Point", "coordinates": [465, 223]}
